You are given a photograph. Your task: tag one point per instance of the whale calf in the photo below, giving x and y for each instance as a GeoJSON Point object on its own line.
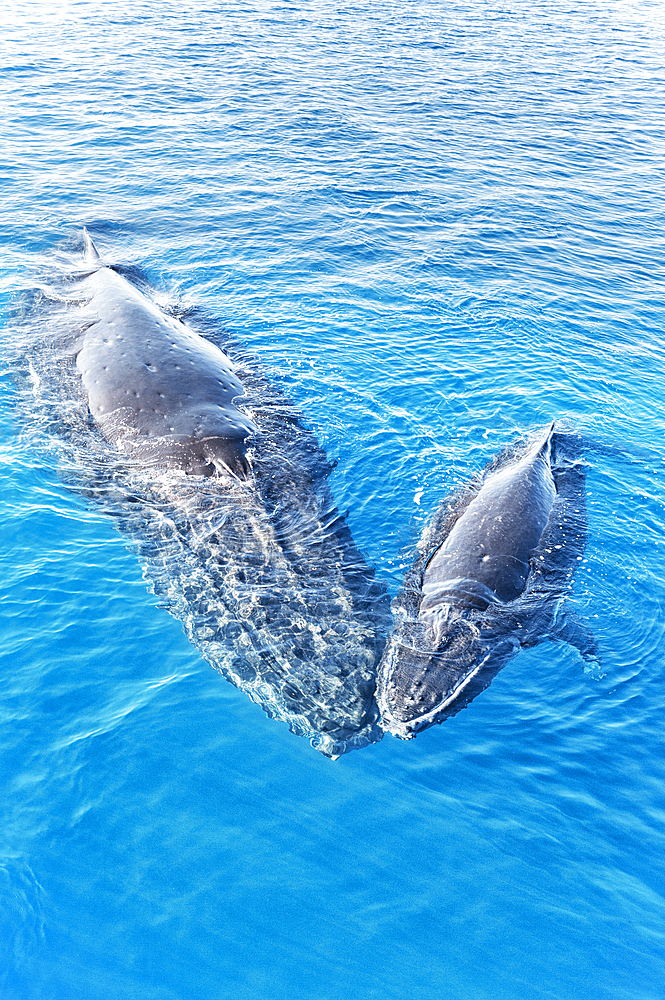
{"type": "Point", "coordinates": [493, 567]}
{"type": "Point", "coordinates": [174, 429]}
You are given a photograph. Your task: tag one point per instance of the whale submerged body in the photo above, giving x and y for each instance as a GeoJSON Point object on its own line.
{"type": "Point", "coordinates": [494, 565]}
{"type": "Point", "coordinates": [211, 473]}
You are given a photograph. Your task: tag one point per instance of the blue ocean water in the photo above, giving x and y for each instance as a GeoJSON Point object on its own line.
{"type": "Point", "coordinates": [439, 225]}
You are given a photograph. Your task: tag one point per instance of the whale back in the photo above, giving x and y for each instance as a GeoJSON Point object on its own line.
{"type": "Point", "coordinates": [487, 554]}
{"type": "Point", "coordinates": [158, 391]}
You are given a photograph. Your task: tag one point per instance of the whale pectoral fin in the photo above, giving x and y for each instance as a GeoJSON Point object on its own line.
{"type": "Point", "coordinates": [573, 631]}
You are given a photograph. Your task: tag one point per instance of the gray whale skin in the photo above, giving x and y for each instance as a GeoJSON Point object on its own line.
{"type": "Point", "coordinates": [158, 392]}
{"type": "Point", "coordinates": [494, 565]}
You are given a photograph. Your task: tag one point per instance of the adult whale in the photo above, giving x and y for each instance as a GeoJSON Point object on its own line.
{"type": "Point", "coordinates": [493, 567]}
{"type": "Point", "coordinates": [212, 474]}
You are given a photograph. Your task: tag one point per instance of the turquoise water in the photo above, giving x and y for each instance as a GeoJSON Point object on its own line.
{"type": "Point", "coordinates": [438, 226]}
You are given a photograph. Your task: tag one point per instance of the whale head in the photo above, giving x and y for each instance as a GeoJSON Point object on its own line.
{"type": "Point", "coordinates": [426, 667]}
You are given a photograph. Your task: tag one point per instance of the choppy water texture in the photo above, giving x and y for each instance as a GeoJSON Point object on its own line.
{"type": "Point", "coordinates": [439, 227]}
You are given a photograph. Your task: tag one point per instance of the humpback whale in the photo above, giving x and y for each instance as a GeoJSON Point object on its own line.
{"type": "Point", "coordinates": [493, 567]}
{"type": "Point", "coordinates": [211, 473]}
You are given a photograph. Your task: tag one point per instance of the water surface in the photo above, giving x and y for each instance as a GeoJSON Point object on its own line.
{"type": "Point", "coordinates": [439, 226]}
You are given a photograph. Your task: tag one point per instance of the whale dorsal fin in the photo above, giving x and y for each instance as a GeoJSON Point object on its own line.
{"type": "Point", "coordinates": [543, 449]}
{"type": "Point", "coordinates": [91, 255]}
